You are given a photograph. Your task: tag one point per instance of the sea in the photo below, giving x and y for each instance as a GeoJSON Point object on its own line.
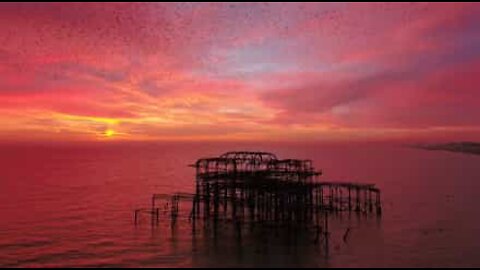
{"type": "Point", "coordinates": [72, 205]}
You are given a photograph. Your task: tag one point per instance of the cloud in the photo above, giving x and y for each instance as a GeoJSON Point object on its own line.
{"type": "Point", "coordinates": [256, 69]}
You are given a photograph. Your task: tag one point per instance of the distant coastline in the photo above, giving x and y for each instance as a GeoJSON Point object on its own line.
{"type": "Point", "coordinates": [459, 147]}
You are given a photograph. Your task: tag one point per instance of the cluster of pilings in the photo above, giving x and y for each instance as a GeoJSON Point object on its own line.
{"type": "Point", "coordinates": [259, 188]}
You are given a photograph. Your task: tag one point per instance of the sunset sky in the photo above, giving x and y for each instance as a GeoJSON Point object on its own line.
{"type": "Point", "coordinates": [264, 71]}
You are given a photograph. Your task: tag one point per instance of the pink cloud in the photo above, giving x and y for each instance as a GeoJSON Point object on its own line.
{"type": "Point", "coordinates": [166, 68]}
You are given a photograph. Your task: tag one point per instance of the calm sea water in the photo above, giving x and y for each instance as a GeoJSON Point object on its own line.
{"type": "Point", "coordinates": [72, 206]}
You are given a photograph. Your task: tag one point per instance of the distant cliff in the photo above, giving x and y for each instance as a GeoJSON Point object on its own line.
{"type": "Point", "coordinates": [461, 147]}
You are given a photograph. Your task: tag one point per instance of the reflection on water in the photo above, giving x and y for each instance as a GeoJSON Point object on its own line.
{"type": "Point", "coordinates": [72, 206]}
{"type": "Point", "coordinates": [228, 245]}
{"type": "Point", "coordinates": [260, 246]}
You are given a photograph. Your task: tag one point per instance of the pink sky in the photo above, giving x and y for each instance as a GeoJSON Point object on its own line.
{"type": "Point", "coordinates": [166, 71]}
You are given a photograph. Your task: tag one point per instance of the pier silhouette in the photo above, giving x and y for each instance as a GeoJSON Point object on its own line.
{"type": "Point", "coordinates": [256, 189]}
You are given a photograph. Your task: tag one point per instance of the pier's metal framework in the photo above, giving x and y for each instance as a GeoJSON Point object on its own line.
{"type": "Point", "coordinates": [258, 188]}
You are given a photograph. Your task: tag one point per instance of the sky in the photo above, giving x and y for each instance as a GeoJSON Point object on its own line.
{"type": "Point", "coordinates": [239, 71]}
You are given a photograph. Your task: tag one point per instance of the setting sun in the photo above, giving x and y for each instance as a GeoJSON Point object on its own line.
{"type": "Point", "coordinates": [109, 133]}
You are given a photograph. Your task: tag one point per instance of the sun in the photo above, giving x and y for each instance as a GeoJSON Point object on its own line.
{"type": "Point", "coordinates": [109, 133]}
